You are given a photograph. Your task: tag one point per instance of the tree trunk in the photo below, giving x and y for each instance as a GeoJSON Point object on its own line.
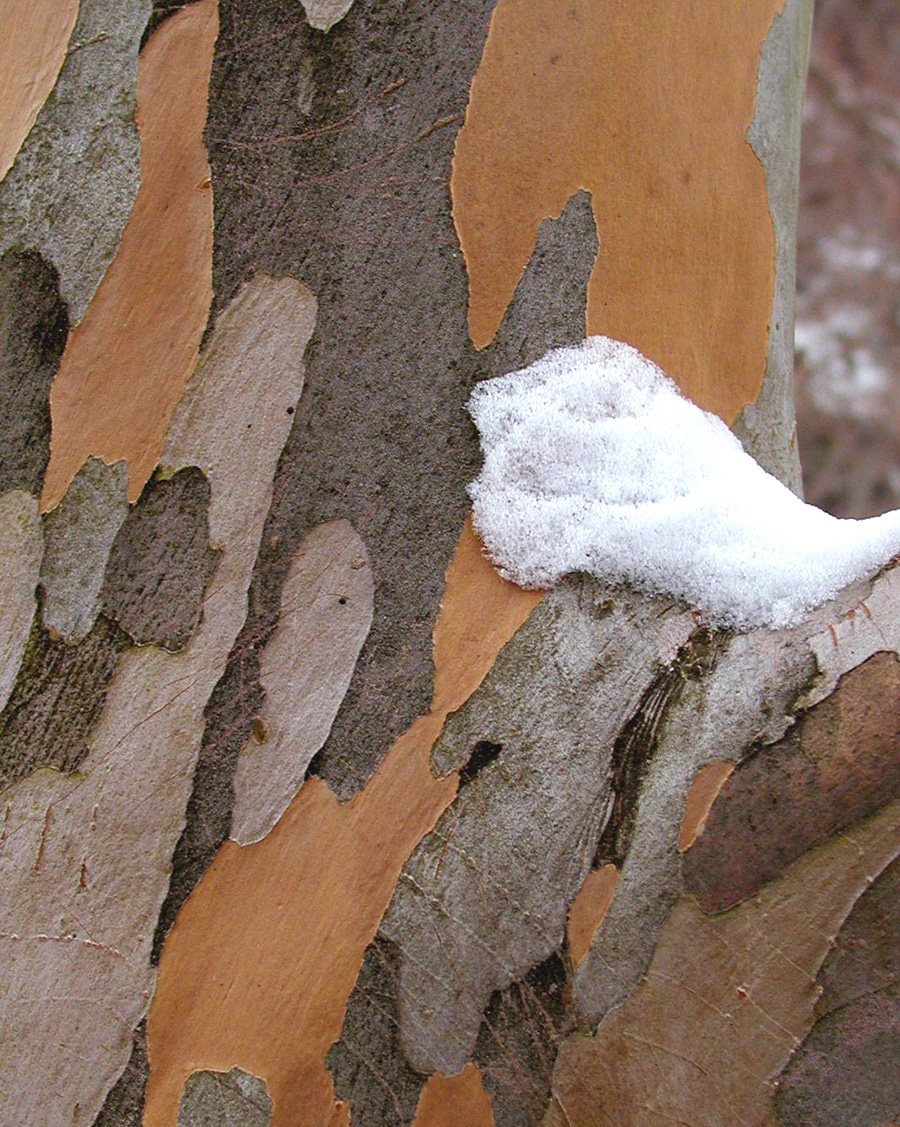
{"type": "Point", "coordinates": [309, 817]}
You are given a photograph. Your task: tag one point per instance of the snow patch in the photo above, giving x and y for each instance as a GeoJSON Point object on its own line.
{"type": "Point", "coordinates": [595, 462]}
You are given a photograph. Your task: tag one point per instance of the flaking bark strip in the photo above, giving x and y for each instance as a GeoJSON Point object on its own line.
{"type": "Point", "coordinates": [57, 697]}
{"type": "Point", "coordinates": [71, 189]}
{"type": "Point", "coordinates": [34, 325]}
{"type": "Point", "coordinates": [288, 310]}
{"type": "Point", "coordinates": [725, 1001]}
{"type": "Point", "coordinates": [161, 561]}
{"type": "Point", "coordinates": [748, 693]}
{"type": "Point", "coordinates": [235, 701]}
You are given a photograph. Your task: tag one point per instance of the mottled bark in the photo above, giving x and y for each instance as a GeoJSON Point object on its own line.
{"type": "Point", "coordinates": [308, 817]}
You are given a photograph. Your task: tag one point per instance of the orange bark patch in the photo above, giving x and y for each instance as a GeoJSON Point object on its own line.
{"type": "Point", "coordinates": [646, 105]}
{"type": "Point", "coordinates": [34, 35]}
{"type": "Point", "coordinates": [588, 909]}
{"type": "Point", "coordinates": [706, 785]}
{"type": "Point", "coordinates": [256, 971]}
{"type": "Point", "coordinates": [126, 364]}
{"type": "Point", "coordinates": [454, 1101]}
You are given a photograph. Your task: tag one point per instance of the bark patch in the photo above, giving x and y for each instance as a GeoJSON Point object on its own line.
{"type": "Point", "coordinates": [34, 40]}
{"type": "Point", "coordinates": [848, 1068]}
{"type": "Point", "coordinates": [369, 1069]}
{"type": "Point", "coordinates": [217, 1099]}
{"type": "Point", "coordinates": [78, 535]}
{"type": "Point", "coordinates": [562, 100]}
{"type": "Point", "coordinates": [723, 1002]}
{"type": "Point", "coordinates": [161, 562]}
{"type": "Point", "coordinates": [127, 362]}
{"type": "Point", "coordinates": [70, 191]}
{"type": "Point", "coordinates": [56, 700]}
{"type": "Point", "coordinates": [33, 329]}
{"type": "Point", "coordinates": [124, 1105]}
{"type": "Point", "coordinates": [840, 763]}
{"type": "Point", "coordinates": [520, 1035]}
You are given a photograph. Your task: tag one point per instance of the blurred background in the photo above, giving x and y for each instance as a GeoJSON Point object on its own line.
{"type": "Point", "coordinates": [848, 267]}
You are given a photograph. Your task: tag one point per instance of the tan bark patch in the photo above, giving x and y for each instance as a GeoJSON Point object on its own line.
{"type": "Point", "coordinates": [126, 364]}
{"type": "Point", "coordinates": [725, 1001]}
{"type": "Point", "coordinates": [454, 1101]}
{"type": "Point", "coordinates": [267, 991]}
{"type": "Point", "coordinates": [646, 105]}
{"type": "Point", "coordinates": [706, 785]}
{"type": "Point", "coordinates": [33, 39]}
{"type": "Point", "coordinates": [588, 909]}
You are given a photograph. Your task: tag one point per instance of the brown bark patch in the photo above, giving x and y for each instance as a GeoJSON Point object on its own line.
{"type": "Point", "coordinates": [838, 764]}
{"type": "Point", "coordinates": [646, 105]}
{"type": "Point", "coordinates": [724, 1003]}
{"type": "Point", "coordinates": [56, 699]}
{"type": "Point", "coordinates": [34, 35]}
{"type": "Point", "coordinates": [520, 1035]}
{"type": "Point", "coordinates": [268, 992]}
{"type": "Point", "coordinates": [588, 909]}
{"type": "Point", "coordinates": [126, 364]}
{"type": "Point", "coordinates": [848, 1068]}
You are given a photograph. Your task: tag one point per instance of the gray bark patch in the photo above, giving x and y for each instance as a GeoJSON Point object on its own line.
{"type": "Point", "coordinates": [34, 325]}
{"type": "Point", "coordinates": [548, 307]}
{"type": "Point", "coordinates": [381, 436]}
{"type": "Point", "coordinates": [161, 562]}
{"type": "Point", "coordinates": [78, 535]}
{"type": "Point", "coordinates": [485, 896]}
{"type": "Point", "coordinates": [368, 1066]}
{"type": "Point", "coordinates": [766, 428]}
{"type": "Point", "coordinates": [224, 1099]}
{"type": "Point", "coordinates": [71, 189]}
{"type": "Point", "coordinates": [56, 699]}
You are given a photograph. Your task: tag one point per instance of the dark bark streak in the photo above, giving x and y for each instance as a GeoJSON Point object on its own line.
{"type": "Point", "coordinates": [635, 747]}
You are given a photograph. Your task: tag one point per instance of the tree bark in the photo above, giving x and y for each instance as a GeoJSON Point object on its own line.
{"type": "Point", "coordinates": [309, 817]}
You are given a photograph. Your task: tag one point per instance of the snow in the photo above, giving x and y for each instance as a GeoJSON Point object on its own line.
{"type": "Point", "coordinates": [593, 461]}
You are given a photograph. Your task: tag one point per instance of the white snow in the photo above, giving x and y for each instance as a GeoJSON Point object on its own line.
{"type": "Point", "coordinates": [595, 462]}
